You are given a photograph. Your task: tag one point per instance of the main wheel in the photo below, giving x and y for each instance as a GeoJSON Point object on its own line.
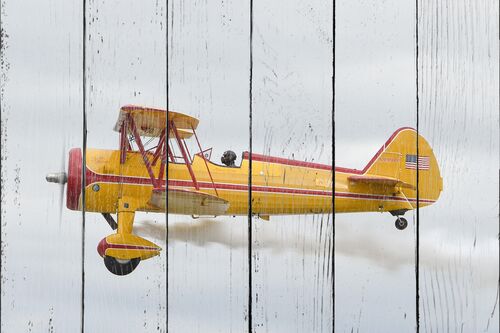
{"type": "Point", "coordinates": [401, 223]}
{"type": "Point", "coordinates": [120, 267]}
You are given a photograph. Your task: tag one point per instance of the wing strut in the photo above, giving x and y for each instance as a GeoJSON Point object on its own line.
{"type": "Point", "coordinates": [124, 143]}
{"type": "Point", "coordinates": [138, 141]}
{"type": "Point", "coordinates": [205, 160]}
{"type": "Point", "coordinates": [159, 148]}
{"type": "Point", "coordinates": [160, 153]}
{"type": "Point", "coordinates": [184, 155]}
{"type": "Point", "coordinates": [170, 154]}
{"type": "Point", "coordinates": [111, 221]}
{"type": "Point", "coordinates": [162, 150]}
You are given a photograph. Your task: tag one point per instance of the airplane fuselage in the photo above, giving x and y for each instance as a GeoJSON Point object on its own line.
{"type": "Point", "coordinates": [279, 186]}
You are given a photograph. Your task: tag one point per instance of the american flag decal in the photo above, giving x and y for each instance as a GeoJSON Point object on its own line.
{"type": "Point", "coordinates": [423, 162]}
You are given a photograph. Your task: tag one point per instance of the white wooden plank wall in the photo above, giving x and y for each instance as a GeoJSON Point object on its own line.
{"type": "Point", "coordinates": [375, 95]}
{"type": "Point", "coordinates": [208, 78]}
{"type": "Point", "coordinates": [126, 64]}
{"type": "Point", "coordinates": [209, 68]}
{"type": "Point", "coordinates": [459, 115]}
{"type": "Point", "coordinates": [292, 118]}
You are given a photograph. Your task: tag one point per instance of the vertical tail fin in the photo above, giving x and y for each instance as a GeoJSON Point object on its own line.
{"type": "Point", "coordinates": [398, 159]}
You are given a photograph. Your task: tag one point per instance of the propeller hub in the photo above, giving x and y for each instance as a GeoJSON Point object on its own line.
{"type": "Point", "coordinates": [57, 177]}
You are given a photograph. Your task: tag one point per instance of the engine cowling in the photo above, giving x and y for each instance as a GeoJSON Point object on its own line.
{"type": "Point", "coordinates": [74, 184]}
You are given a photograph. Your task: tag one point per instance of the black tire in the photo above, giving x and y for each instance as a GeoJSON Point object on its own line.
{"type": "Point", "coordinates": [119, 267]}
{"type": "Point", "coordinates": [401, 223]}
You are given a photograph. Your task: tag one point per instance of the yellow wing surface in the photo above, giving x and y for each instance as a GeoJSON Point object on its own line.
{"type": "Point", "coordinates": [188, 202]}
{"type": "Point", "coordinates": [151, 122]}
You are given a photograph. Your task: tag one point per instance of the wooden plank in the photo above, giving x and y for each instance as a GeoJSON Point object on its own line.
{"type": "Point", "coordinates": [125, 65]}
{"type": "Point", "coordinates": [208, 79]}
{"type": "Point", "coordinates": [375, 95]}
{"type": "Point", "coordinates": [40, 115]}
{"type": "Point", "coordinates": [459, 84]}
{"type": "Point", "coordinates": [292, 119]}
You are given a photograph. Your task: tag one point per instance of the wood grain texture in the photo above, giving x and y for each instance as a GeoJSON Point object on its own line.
{"type": "Point", "coordinates": [125, 65]}
{"type": "Point", "coordinates": [375, 95]}
{"type": "Point", "coordinates": [209, 79]}
{"type": "Point", "coordinates": [292, 119]}
{"type": "Point", "coordinates": [458, 91]}
{"type": "Point", "coordinates": [40, 72]}
{"type": "Point", "coordinates": [209, 65]}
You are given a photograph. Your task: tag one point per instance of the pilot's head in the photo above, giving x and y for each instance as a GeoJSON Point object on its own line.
{"type": "Point", "coordinates": [228, 158]}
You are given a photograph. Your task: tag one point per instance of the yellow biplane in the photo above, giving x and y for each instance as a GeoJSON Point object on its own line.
{"type": "Point", "coordinates": [131, 179]}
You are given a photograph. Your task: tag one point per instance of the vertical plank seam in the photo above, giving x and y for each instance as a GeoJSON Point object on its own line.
{"type": "Point", "coordinates": [1, 180]}
{"type": "Point", "coordinates": [333, 163]}
{"type": "Point", "coordinates": [167, 133]}
{"type": "Point", "coordinates": [250, 323]}
{"type": "Point", "coordinates": [84, 163]}
{"type": "Point", "coordinates": [417, 226]}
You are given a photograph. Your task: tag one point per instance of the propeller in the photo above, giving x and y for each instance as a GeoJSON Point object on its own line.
{"type": "Point", "coordinates": [59, 178]}
{"type": "Point", "coordinates": [65, 179]}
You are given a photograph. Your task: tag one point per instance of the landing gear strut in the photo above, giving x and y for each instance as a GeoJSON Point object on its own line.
{"type": "Point", "coordinates": [123, 250]}
{"type": "Point", "coordinates": [401, 223]}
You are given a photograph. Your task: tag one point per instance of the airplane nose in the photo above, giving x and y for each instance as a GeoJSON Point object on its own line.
{"type": "Point", "coordinates": [58, 177]}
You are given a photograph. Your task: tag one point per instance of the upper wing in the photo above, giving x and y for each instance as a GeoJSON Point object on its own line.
{"type": "Point", "coordinates": [384, 182]}
{"type": "Point", "coordinates": [151, 122]}
{"type": "Point", "coordinates": [189, 202]}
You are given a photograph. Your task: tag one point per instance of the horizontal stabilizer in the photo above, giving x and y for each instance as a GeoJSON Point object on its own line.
{"type": "Point", "coordinates": [188, 202]}
{"type": "Point", "coordinates": [387, 182]}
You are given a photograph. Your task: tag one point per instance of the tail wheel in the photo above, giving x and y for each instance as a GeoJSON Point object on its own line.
{"type": "Point", "coordinates": [120, 267]}
{"type": "Point", "coordinates": [401, 223]}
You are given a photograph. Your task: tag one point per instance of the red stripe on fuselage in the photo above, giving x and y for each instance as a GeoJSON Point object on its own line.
{"type": "Point", "coordinates": [102, 178]}
{"type": "Point", "coordinates": [284, 161]}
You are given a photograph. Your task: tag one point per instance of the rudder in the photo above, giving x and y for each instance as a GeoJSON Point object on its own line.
{"type": "Point", "coordinates": [398, 159]}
